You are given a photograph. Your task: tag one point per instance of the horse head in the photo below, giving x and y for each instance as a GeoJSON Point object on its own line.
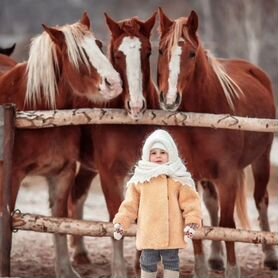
{"type": "Point", "coordinates": [177, 61]}
{"type": "Point", "coordinates": [70, 54]}
{"type": "Point", "coordinates": [130, 50]}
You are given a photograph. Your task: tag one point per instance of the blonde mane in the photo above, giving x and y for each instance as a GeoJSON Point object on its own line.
{"type": "Point", "coordinates": [230, 88]}
{"type": "Point", "coordinates": [174, 35]}
{"type": "Point", "coordinates": [42, 65]}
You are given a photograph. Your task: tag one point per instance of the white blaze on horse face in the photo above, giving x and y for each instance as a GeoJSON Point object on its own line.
{"type": "Point", "coordinates": [174, 71]}
{"type": "Point", "coordinates": [131, 49]}
{"type": "Point", "coordinates": [111, 84]}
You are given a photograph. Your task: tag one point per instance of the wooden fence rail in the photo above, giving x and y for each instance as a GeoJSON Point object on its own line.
{"type": "Point", "coordinates": [48, 224]}
{"type": "Point", "coordinates": [44, 119]}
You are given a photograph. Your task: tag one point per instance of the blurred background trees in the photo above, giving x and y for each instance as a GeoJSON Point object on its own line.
{"type": "Point", "coordinates": [245, 29]}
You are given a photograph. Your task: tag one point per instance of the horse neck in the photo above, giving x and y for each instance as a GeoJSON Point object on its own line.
{"type": "Point", "coordinates": [204, 92]}
{"type": "Point", "coordinates": [16, 93]}
{"type": "Point", "coordinates": [13, 86]}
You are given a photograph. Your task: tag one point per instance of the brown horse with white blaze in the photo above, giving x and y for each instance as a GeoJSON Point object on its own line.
{"type": "Point", "coordinates": [191, 79]}
{"type": "Point", "coordinates": [113, 150]}
{"type": "Point", "coordinates": [65, 64]}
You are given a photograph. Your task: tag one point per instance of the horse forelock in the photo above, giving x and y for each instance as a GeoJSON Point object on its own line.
{"type": "Point", "coordinates": [173, 36]}
{"type": "Point", "coordinates": [83, 49]}
{"type": "Point", "coordinates": [41, 68]}
{"type": "Point", "coordinates": [74, 35]}
{"type": "Point", "coordinates": [130, 26]}
{"type": "Point", "coordinates": [230, 88]}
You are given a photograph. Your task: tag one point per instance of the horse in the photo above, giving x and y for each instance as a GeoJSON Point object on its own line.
{"type": "Point", "coordinates": [65, 64]}
{"type": "Point", "coordinates": [191, 79]}
{"type": "Point", "coordinates": [113, 150]}
{"type": "Point", "coordinates": [7, 51]}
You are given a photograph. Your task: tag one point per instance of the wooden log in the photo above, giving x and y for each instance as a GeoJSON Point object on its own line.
{"type": "Point", "coordinates": [8, 133]}
{"type": "Point", "coordinates": [48, 224]}
{"type": "Point", "coordinates": [43, 119]}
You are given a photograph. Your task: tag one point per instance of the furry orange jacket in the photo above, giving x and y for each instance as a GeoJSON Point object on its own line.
{"type": "Point", "coordinates": [162, 207]}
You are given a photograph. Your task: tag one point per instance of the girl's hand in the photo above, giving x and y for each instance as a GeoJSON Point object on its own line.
{"type": "Point", "coordinates": [118, 231]}
{"type": "Point", "coordinates": [190, 230]}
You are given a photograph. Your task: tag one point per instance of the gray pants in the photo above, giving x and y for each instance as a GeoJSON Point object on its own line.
{"type": "Point", "coordinates": [169, 257]}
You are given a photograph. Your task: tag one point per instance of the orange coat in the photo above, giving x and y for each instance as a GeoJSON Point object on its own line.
{"type": "Point", "coordinates": [162, 207]}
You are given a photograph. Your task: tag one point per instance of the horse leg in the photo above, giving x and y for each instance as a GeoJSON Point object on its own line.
{"type": "Point", "coordinates": [137, 267]}
{"type": "Point", "coordinates": [200, 265]}
{"type": "Point", "coordinates": [113, 193]}
{"type": "Point", "coordinates": [227, 195]}
{"type": "Point", "coordinates": [59, 187]}
{"type": "Point", "coordinates": [77, 198]}
{"type": "Point", "coordinates": [261, 172]}
{"type": "Point", "coordinates": [210, 197]}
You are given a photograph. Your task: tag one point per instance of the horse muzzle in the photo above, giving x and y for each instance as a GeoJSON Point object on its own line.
{"type": "Point", "coordinates": [111, 88]}
{"type": "Point", "coordinates": [169, 104]}
{"type": "Point", "coordinates": [136, 110]}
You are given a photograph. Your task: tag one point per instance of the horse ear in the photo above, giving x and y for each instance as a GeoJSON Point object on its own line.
{"type": "Point", "coordinates": [56, 35]}
{"type": "Point", "coordinates": [113, 26]}
{"type": "Point", "coordinates": [147, 26]}
{"type": "Point", "coordinates": [165, 22]}
{"type": "Point", "coordinates": [85, 20]}
{"type": "Point", "coordinates": [192, 23]}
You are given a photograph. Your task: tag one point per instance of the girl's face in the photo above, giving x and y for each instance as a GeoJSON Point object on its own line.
{"type": "Point", "coordinates": [158, 156]}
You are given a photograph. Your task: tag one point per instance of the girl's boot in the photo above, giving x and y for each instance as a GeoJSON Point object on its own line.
{"type": "Point", "coordinates": [171, 274]}
{"type": "Point", "coordinates": [145, 274]}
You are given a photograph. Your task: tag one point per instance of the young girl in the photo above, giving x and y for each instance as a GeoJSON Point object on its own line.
{"type": "Point", "coordinates": [161, 196]}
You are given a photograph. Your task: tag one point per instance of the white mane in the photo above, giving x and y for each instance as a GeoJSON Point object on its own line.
{"type": "Point", "coordinates": [231, 90]}
{"type": "Point", "coordinates": [43, 65]}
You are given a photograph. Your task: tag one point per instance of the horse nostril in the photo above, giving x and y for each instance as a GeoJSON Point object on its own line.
{"type": "Point", "coordinates": [161, 97]}
{"type": "Point", "coordinates": [107, 82]}
{"type": "Point", "coordinates": [178, 98]}
{"type": "Point", "coordinates": [128, 105]}
{"type": "Point", "coordinates": [144, 105]}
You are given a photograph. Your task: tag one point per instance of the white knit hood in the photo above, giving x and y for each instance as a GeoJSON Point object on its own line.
{"type": "Point", "coordinates": [174, 168]}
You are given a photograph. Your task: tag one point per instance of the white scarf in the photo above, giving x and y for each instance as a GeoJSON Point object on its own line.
{"type": "Point", "coordinates": [174, 168]}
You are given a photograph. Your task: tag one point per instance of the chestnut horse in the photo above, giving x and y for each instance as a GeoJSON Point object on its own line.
{"type": "Point", "coordinates": [191, 79]}
{"type": "Point", "coordinates": [65, 63]}
{"type": "Point", "coordinates": [114, 149]}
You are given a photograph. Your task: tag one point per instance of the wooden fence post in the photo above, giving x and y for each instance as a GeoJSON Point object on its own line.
{"type": "Point", "coordinates": [7, 131]}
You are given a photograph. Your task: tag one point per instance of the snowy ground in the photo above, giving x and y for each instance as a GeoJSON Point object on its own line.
{"type": "Point", "coordinates": [33, 255]}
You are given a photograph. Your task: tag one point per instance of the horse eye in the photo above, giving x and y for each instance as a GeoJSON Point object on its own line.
{"type": "Point", "coordinates": [117, 56]}
{"type": "Point", "coordinates": [160, 52]}
{"type": "Point", "coordinates": [192, 54]}
{"type": "Point", "coordinates": [99, 44]}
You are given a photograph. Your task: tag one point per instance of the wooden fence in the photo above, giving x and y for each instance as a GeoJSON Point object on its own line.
{"type": "Point", "coordinates": [10, 119]}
